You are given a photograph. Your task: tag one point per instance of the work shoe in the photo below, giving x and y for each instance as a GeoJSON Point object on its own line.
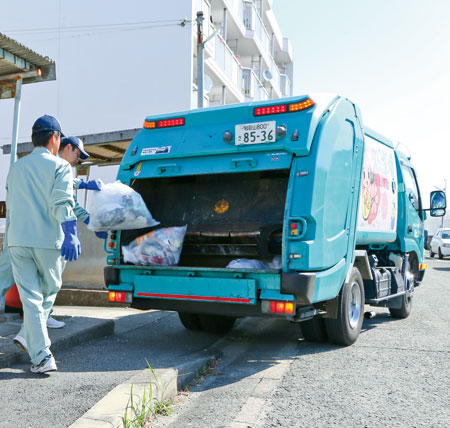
{"type": "Point", "coordinates": [52, 323]}
{"type": "Point", "coordinates": [48, 364]}
{"type": "Point", "coordinates": [20, 342]}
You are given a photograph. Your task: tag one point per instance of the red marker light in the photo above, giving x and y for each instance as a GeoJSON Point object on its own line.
{"type": "Point", "coordinates": [294, 225]}
{"type": "Point", "coordinates": [274, 109]}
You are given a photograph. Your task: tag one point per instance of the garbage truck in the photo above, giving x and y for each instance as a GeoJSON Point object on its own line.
{"type": "Point", "coordinates": [330, 208]}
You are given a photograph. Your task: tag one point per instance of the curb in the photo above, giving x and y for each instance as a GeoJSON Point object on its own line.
{"type": "Point", "coordinates": [71, 335]}
{"type": "Point", "coordinates": [83, 297]}
{"type": "Point", "coordinates": [108, 412]}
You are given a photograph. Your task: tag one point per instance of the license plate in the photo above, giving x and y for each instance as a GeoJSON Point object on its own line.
{"type": "Point", "coordinates": [255, 133]}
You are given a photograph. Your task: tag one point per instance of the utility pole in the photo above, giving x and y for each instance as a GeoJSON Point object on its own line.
{"type": "Point", "coordinates": [200, 64]}
{"type": "Point", "coordinates": [445, 191]}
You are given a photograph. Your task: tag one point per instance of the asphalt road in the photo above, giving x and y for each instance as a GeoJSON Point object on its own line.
{"type": "Point", "coordinates": [396, 375]}
{"type": "Point", "coordinates": [87, 372]}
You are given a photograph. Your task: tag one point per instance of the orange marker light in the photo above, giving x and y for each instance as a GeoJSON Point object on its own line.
{"type": "Point", "coordinates": [150, 124]}
{"type": "Point", "coordinates": [112, 296]}
{"type": "Point", "coordinates": [422, 266]}
{"type": "Point", "coordinates": [289, 308]}
{"type": "Point", "coordinates": [303, 105]}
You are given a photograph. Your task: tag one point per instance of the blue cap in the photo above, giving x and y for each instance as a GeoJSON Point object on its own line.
{"type": "Point", "coordinates": [47, 123]}
{"type": "Point", "coordinates": [75, 141]}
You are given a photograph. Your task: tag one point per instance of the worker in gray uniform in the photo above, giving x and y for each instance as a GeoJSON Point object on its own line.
{"type": "Point", "coordinates": [72, 150]}
{"type": "Point", "coordinates": [41, 234]}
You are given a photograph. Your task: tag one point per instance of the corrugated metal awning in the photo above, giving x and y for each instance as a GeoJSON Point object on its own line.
{"type": "Point", "coordinates": [106, 148]}
{"type": "Point", "coordinates": [16, 59]}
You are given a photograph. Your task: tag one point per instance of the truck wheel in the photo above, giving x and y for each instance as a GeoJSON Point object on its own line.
{"type": "Point", "coordinates": [406, 307]}
{"type": "Point", "coordinates": [345, 329]}
{"type": "Point", "coordinates": [405, 310]}
{"type": "Point", "coordinates": [314, 330]}
{"type": "Point", "coordinates": [217, 324]}
{"type": "Point", "coordinates": [441, 256]}
{"type": "Point", "coordinates": [190, 321]}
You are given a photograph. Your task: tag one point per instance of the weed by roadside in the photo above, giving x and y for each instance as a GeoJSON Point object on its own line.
{"type": "Point", "coordinates": [140, 409]}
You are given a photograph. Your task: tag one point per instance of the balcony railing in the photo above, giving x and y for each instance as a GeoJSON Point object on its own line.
{"type": "Point", "coordinates": [253, 21]}
{"type": "Point", "coordinates": [285, 85]}
{"type": "Point", "coordinates": [252, 87]}
{"type": "Point", "coordinates": [225, 59]}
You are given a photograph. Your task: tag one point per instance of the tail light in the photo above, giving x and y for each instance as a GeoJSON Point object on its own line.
{"type": "Point", "coordinates": [165, 123]}
{"type": "Point", "coordinates": [283, 108]}
{"type": "Point", "coordinates": [278, 307]}
{"type": "Point", "coordinates": [120, 297]}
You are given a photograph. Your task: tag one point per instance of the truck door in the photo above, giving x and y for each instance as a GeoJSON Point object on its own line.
{"type": "Point", "coordinates": [413, 210]}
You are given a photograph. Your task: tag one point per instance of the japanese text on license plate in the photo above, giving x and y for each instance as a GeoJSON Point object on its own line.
{"type": "Point", "coordinates": [255, 133]}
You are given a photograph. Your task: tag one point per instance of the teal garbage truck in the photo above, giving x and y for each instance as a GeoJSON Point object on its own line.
{"type": "Point", "coordinates": [331, 210]}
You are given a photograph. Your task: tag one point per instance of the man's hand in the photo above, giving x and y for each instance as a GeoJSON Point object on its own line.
{"type": "Point", "coordinates": [71, 247]}
{"type": "Point", "coordinates": [91, 184]}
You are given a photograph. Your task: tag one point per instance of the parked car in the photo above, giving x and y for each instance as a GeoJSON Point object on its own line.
{"type": "Point", "coordinates": [440, 243]}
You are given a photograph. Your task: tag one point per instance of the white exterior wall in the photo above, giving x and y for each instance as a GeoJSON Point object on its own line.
{"type": "Point", "coordinates": [111, 80]}
{"type": "Point", "coordinates": [105, 81]}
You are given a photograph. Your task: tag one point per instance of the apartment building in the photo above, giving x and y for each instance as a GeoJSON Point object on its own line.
{"type": "Point", "coordinates": [247, 58]}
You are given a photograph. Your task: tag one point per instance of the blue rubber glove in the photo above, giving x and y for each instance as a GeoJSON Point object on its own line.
{"type": "Point", "coordinates": [101, 235]}
{"type": "Point", "coordinates": [71, 247]}
{"type": "Point", "coordinates": [91, 185]}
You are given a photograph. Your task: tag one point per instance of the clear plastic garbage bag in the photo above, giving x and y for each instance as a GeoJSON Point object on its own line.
{"type": "Point", "coordinates": [162, 247]}
{"type": "Point", "coordinates": [254, 264]}
{"type": "Point", "coordinates": [118, 207]}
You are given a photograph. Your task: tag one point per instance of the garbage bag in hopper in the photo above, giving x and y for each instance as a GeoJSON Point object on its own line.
{"type": "Point", "coordinates": [254, 264]}
{"type": "Point", "coordinates": [162, 247]}
{"type": "Point", "coordinates": [118, 207]}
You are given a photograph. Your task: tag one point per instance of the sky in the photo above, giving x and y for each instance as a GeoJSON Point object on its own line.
{"type": "Point", "coordinates": [390, 57]}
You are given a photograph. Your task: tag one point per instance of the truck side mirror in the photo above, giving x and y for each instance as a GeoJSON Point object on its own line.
{"type": "Point", "coordinates": [438, 203]}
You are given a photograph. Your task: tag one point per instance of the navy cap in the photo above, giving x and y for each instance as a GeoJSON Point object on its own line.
{"type": "Point", "coordinates": [47, 123]}
{"type": "Point", "coordinates": [75, 141]}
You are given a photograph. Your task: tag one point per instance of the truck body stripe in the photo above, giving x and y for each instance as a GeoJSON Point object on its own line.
{"type": "Point", "coordinates": [181, 296]}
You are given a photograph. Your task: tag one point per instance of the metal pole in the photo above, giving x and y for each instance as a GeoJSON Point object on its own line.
{"type": "Point", "coordinates": [224, 94]}
{"type": "Point", "coordinates": [445, 191]}
{"type": "Point", "coordinates": [15, 133]}
{"type": "Point", "coordinates": [200, 70]}
{"type": "Point", "coordinates": [225, 24]}
{"type": "Point", "coordinates": [88, 172]}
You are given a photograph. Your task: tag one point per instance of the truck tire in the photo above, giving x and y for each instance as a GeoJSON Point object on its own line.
{"type": "Point", "coordinates": [406, 307]}
{"type": "Point", "coordinates": [217, 324]}
{"type": "Point", "coordinates": [405, 310]}
{"type": "Point", "coordinates": [190, 321]}
{"type": "Point", "coordinates": [345, 329]}
{"type": "Point", "coordinates": [314, 330]}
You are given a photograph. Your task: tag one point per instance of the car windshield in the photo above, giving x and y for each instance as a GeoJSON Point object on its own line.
{"type": "Point", "coordinates": [446, 235]}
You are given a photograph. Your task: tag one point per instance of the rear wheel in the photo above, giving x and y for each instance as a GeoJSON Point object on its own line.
{"type": "Point", "coordinates": [431, 253]}
{"type": "Point", "coordinates": [441, 256]}
{"type": "Point", "coordinates": [405, 309]}
{"type": "Point", "coordinates": [345, 329]}
{"type": "Point", "coordinates": [190, 321]}
{"type": "Point", "coordinates": [217, 324]}
{"type": "Point", "coordinates": [314, 330]}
